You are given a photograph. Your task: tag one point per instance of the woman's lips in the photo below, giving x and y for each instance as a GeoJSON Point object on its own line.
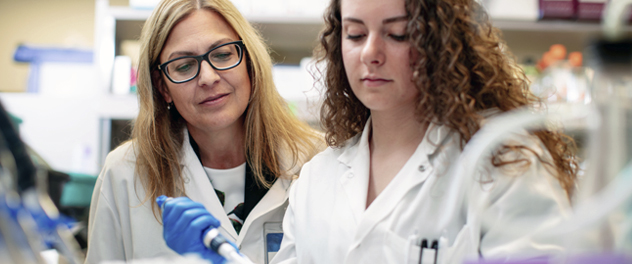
{"type": "Point", "coordinates": [214, 99]}
{"type": "Point", "coordinates": [373, 82]}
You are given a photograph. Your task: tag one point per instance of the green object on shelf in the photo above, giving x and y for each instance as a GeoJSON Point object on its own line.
{"type": "Point", "coordinates": [78, 191]}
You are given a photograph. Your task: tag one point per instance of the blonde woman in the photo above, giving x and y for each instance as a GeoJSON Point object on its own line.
{"type": "Point", "coordinates": [211, 127]}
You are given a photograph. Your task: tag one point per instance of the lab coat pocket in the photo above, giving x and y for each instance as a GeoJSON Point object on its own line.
{"type": "Point", "coordinates": [400, 250]}
{"type": "Point", "coordinates": [464, 247]}
{"type": "Point", "coordinates": [415, 249]}
{"type": "Point", "coordinates": [407, 250]}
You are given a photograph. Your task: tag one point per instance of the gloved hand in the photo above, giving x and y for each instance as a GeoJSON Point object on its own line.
{"type": "Point", "coordinates": [185, 223]}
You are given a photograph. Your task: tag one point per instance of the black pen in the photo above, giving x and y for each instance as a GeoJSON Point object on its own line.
{"type": "Point", "coordinates": [424, 244]}
{"type": "Point", "coordinates": [435, 246]}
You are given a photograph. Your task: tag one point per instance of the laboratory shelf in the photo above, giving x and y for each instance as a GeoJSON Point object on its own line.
{"type": "Point", "coordinates": [566, 26]}
{"type": "Point", "coordinates": [127, 13]}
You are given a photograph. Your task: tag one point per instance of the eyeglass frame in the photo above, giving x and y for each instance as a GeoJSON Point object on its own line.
{"type": "Point", "coordinates": [204, 57]}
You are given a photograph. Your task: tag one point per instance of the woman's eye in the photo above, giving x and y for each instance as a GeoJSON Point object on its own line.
{"type": "Point", "coordinates": [221, 56]}
{"type": "Point", "coordinates": [354, 37]}
{"type": "Point", "coordinates": [398, 37]}
{"type": "Point", "coordinates": [184, 67]}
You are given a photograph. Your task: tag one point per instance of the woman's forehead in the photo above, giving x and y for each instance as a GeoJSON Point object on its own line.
{"type": "Point", "coordinates": [372, 9]}
{"type": "Point", "coordinates": [198, 32]}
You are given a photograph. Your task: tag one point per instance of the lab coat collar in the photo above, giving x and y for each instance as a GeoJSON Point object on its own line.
{"type": "Point", "coordinates": [198, 186]}
{"type": "Point", "coordinates": [188, 153]}
{"type": "Point", "coordinates": [417, 169]}
{"type": "Point", "coordinates": [355, 180]}
{"type": "Point", "coordinates": [355, 143]}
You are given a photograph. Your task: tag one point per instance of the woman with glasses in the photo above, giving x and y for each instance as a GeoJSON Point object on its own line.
{"type": "Point", "coordinates": [211, 127]}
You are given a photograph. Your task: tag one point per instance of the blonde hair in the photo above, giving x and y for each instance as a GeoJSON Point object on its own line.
{"type": "Point", "coordinates": [271, 129]}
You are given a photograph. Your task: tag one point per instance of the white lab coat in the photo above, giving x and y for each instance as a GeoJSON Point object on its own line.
{"type": "Point", "coordinates": [123, 227]}
{"type": "Point", "coordinates": [326, 221]}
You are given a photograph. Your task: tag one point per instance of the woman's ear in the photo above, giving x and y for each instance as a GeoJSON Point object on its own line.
{"type": "Point", "coordinates": [161, 86]}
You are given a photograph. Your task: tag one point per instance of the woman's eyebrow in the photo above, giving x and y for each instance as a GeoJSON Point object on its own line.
{"type": "Point", "coordinates": [385, 21]}
{"type": "Point", "coordinates": [354, 20]}
{"type": "Point", "coordinates": [177, 54]}
{"type": "Point", "coordinates": [219, 42]}
{"type": "Point", "coordinates": [394, 19]}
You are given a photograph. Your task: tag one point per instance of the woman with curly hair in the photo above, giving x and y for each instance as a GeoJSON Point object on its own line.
{"type": "Point", "coordinates": [408, 83]}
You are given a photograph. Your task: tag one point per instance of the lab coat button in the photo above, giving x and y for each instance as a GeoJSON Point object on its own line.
{"type": "Point", "coordinates": [349, 175]}
{"type": "Point", "coordinates": [422, 168]}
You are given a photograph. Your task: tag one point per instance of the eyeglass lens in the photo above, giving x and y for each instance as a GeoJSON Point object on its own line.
{"type": "Point", "coordinates": [222, 57]}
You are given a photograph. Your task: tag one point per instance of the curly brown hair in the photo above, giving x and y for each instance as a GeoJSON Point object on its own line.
{"type": "Point", "coordinates": [464, 67]}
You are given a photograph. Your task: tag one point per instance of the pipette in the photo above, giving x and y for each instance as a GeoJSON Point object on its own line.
{"type": "Point", "coordinates": [215, 241]}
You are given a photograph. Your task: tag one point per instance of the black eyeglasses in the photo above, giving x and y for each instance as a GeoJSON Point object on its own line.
{"type": "Point", "coordinates": [222, 57]}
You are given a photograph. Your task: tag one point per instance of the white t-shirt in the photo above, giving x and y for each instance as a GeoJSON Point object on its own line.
{"type": "Point", "coordinates": [232, 182]}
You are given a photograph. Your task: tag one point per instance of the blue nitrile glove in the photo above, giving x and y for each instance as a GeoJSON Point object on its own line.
{"type": "Point", "coordinates": [185, 223]}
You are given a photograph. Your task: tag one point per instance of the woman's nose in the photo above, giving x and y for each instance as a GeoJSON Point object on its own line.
{"type": "Point", "coordinates": [373, 51]}
{"type": "Point", "coordinates": [208, 75]}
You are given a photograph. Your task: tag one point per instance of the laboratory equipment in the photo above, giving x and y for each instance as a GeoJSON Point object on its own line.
{"type": "Point", "coordinates": [28, 217]}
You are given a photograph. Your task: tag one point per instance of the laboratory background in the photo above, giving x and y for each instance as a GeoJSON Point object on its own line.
{"type": "Point", "coordinates": [68, 89]}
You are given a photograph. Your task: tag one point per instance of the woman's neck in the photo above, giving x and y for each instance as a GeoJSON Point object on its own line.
{"type": "Point", "coordinates": [394, 132]}
{"type": "Point", "coordinates": [223, 149]}
{"type": "Point", "coordinates": [393, 140]}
